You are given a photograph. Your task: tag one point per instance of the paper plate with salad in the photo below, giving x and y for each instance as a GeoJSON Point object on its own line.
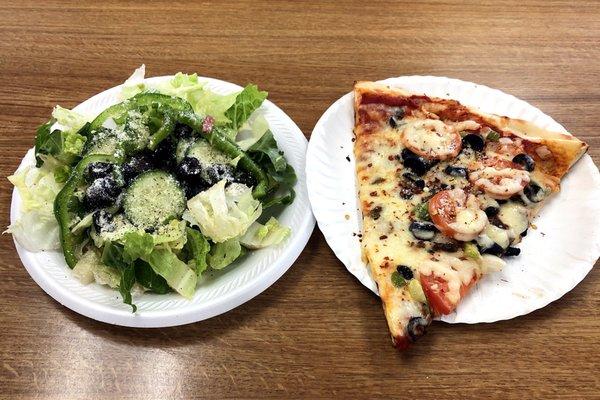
{"type": "Point", "coordinates": [162, 201]}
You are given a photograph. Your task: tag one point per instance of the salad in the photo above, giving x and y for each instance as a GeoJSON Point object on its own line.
{"type": "Point", "coordinates": [156, 190]}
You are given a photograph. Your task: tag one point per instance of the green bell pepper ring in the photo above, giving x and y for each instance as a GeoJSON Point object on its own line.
{"type": "Point", "coordinates": [68, 240]}
{"type": "Point", "coordinates": [225, 145]}
{"type": "Point", "coordinates": [139, 100]}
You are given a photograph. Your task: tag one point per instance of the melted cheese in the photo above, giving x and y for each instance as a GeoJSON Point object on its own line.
{"type": "Point", "coordinates": [431, 138]}
{"type": "Point", "coordinates": [456, 271]}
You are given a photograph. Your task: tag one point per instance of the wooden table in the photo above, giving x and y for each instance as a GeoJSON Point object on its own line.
{"type": "Point", "coordinates": [316, 332]}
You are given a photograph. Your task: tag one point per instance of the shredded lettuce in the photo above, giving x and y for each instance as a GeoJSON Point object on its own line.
{"type": "Point", "coordinates": [223, 213]}
{"type": "Point", "coordinates": [36, 229]}
{"type": "Point", "coordinates": [223, 254]}
{"type": "Point", "coordinates": [259, 236]}
{"type": "Point", "coordinates": [135, 83]}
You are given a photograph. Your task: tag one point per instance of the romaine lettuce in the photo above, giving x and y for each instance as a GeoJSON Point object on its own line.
{"type": "Point", "coordinates": [223, 254]}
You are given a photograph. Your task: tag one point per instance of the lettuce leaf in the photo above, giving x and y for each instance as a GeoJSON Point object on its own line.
{"type": "Point", "coordinates": [145, 276]}
{"type": "Point", "coordinates": [36, 229]}
{"type": "Point", "coordinates": [137, 245]}
{"type": "Point", "coordinates": [197, 248]}
{"type": "Point", "coordinates": [259, 236]}
{"type": "Point", "coordinates": [281, 175]}
{"type": "Point", "coordinates": [246, 102]}
{"type": "Point", "coordinates": [177, 274]}
{"type": "Point", "coordinates": [251, 131]}
{"type": "Point", "coordinates": [69, 120]}
{"type": "Point", "coordinates": [186, 86]}
{"type": "Point", "coordinates": [112, 256]}
{"type": "Point", "coordinates": [223, 254]}
{"type": "Point", "coordinates": [223, 213]}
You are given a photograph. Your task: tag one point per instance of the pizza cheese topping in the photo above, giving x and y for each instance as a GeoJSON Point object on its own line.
{"type": "Point", "coordinates": [431, 138]}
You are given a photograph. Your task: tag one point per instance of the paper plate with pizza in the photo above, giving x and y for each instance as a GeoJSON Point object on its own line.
{"type": "Point", "coordinates": [453, 201]}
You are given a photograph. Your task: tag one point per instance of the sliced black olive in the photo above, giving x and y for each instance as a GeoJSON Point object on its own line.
{"type": "Point", "coordinates": [473, 141]}
{"type": "Point", "coordinates": [164, 155]}
{"type": "Point", "coordinates": [525, 160]}
{"type": "Point", "coordinates": [494, 249]}
{"type": "Point", "coordinates": [534, 192]}
{"type": "Point", "coordinates": [103, 221]}
{"type": "Point", "coordinates": [182, 131]}
{"type": "Point", "coordinates": [449, 247]}
{"type": "Point", "coordinates": [193, 187]}
{"type": "Point", "coordinates": [243, 176]}
{"type": "Point", "coordinates": [398, 115]}
{"type": "Point", "coordinates": [103, 192]}
{"type": "Point", "coordinates": [405, 271]}
{"type": "Point", "coordinates": [375, 212]}
{"type": "Point", "coordinates": [135, 166]}
{"type": "Point", "coordinates": [417, 164]}
{"type": "Point", "coordinates": [524, 233]}
{"type": "Point", "coordinates": [422, 230]}
{"type": "Point", "coordinates": [456, 171]}
{"type": "Point", "coordinates": [512, 251]}
{"type": "Point", "coordinates": [416, 327]}
{"type": "Point", "coordinates": [99, 170]}
{"type": "Point", "coordinates": [414, 179]}
{"type": "Point", "coordinates": [189, 168]}
{"type": "Point", "coordinates": [217, 172]}
{"type": "Point", "coordinates": [491, 211]}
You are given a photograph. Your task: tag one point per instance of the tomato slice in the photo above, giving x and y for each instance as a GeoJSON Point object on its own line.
{"type": "Point", "coordinates": [436, 290]}
{"type": "Point", "coordinates": [442, 209]}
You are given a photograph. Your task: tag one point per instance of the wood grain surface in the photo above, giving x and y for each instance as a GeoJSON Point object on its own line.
{"type": "Point", "coordinates": [316, 333]}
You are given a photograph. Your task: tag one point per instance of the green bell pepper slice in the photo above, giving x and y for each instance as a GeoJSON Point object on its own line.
{"type": "Point", "coordinates": [69, 241]}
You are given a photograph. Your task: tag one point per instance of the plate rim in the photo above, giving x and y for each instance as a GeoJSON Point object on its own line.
{"type": "Point", "coordinates": [393, 81]}
{"type": "Point", "coordinates": [189, 313]}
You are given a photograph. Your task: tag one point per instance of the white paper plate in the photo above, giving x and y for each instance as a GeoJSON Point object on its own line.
{"type": "Point", "coordinates": [554, 257]}
{"type": "Point", "coordinates": [219, 292]}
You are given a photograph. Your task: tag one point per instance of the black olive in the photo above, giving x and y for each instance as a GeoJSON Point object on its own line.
{"type": "Point", "coordinates": [494, 249]}
{"type": "Point", "coordinates": [405, 271]}
{"type": "Point", "coordinates": [375, 212]}
{"type": "Point", "coordinates": [103, 192]}
{"type": "Point", "coordinates": [496, 222]}
{"type": "Point", "coordinates": [524, 233]}
{"type": "Point", "coordinates": [491, 211]}
{"type": "Point", "coordinates": [398, 115]}
{"type": "Point", "coordinates": [512, 251]}
{"type": "Point", "coordinates": [103, 221]}
{"type": "Point", "coordinates": [217, 172]}
{"type": "Point", "coordinates": [422, 230]}
{"type": "Point", "coordinates": [473, 141]}
{"type": "Point", "coordinates": [534, 192]}
{"type": "Point", "coordinates": [136, 165]}
{"type": "Point", "coordinates": [182, 131]}
{"type": "Point", "coordinates": [192, 187]}
{"type": "Point", "coordinates": [164, 155]}
{"type": "Point", "coordinates": [449, 247]}
{"type": "Point", "coordinates": [188, 168]}
{"type": "Point", "coordinates": [525, 160]}
{"type": "Point", "coordinates": [456, 171]}
{"type": "Point", "coordinates": [417, 164]}
{"type": "Point", "coordinates": [244, 177]}
{"type": "Point", "coordinates": [99, 170]}
{"type": "Point", "coordinates": [415, 180]}
{"type": "Point", "coordinates": [416, 327]}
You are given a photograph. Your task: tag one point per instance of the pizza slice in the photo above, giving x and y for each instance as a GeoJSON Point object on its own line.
{"type": "Point", "coordinates": [446, 193]}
